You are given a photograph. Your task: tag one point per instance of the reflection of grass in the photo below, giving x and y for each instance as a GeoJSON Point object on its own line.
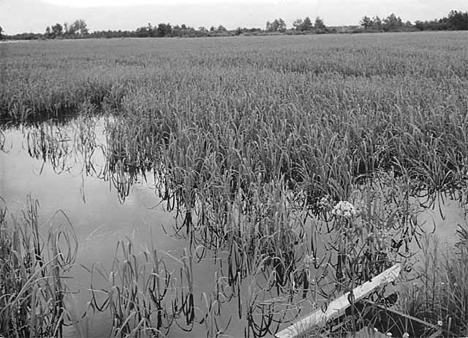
{"type": "Point", "coordinates": [139, 285]}
{"type": "Point", "coordinates": [441, 296]}
{"type": "Point", "coordinates": [32, 288]}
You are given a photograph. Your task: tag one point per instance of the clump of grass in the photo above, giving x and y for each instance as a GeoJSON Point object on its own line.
{"type": "Point", "coordinates": [138, 293]}
{"type": "Point", "coordinates": [440, 295]}
{"type": "Point", "coordinates": [49, 143]}
{"type": "Point", "coordinates": [32, 287]}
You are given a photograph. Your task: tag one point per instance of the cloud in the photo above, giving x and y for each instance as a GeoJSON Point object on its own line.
{"type": "Point", "coordinates": [133, 3]}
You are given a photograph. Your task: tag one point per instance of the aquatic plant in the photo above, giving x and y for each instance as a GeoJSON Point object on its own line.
{"type": "Point", "coordinates": [32, 287]}
{"type": "Point", "coordinates": [440, 294]}
{"type": "Point", "coordinates": [258, 151]}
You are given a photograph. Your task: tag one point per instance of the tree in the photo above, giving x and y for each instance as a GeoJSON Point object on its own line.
{"type": "Point", "coordinates": [457, 20]}
{"type": "Point", "coordinates": [454, 21]}
{"type": "Point", "coordinates": [142, 32]}
{"type": "Point", "coordinates": [164, 29]}
{"type": "Point", "coordinates": [307, 24]}
{"type": "Point", "coordinates": [79, 27]}
{"type": "Point", "coordinates": [297, 24]}
{"type": "Point", "coordinates": [303, 25]}
{"type": "Point", "coordinates": [319, 24]}
{"type": "Point", "coordinates": [57, 30]}
{"type": "Point", "coordinates": [272, 26]}
{"type": "Point", "coordinates": [151, 30]}
{"type": "Point", "coordinates": [392, 23]}
{"type": "Point", "coordinates": [72, 29]}
{"type": "Point", "coordinates": [366, 22]}
{"type": "Point", "coordinates": [419, 25]}
{"type": "Point", "coordinates": [281, 25]}
{"type": "Point", "coordinates": [1, 31]}
{"type": "Point", "coordinates": [278, 25]}
{"type": "Point", "coordinates": [376, 23]}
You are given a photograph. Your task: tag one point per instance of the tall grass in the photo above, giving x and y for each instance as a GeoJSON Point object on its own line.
{"type": "Point", "coordinates": [441, 297]}
{"type": "Point", "coordinates": [139, 285]}
{"type": "Point", "coordinates": [253, 143]}
{"type": "Point", "coordinates": [33, 269]}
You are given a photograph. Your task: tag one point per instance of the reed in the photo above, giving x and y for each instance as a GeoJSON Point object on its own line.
{"type": "Point", "coordinates": [33, 272]}
{"type": "Point", "coordinates": [440, 295]}
{"type": "Point", "coordinates": [256, 144]}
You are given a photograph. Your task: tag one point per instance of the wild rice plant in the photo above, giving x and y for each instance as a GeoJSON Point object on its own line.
{"type": "Point", "coordinates": [50, 144]}
{"type": "Point", "coordinates": [440, 295]}
{"type": "Point", "coordinates": [247, 138]}
{"type": "Point", "coordinates": [138, 295]}
{"type": "Point", "coordinates": [32, 287]}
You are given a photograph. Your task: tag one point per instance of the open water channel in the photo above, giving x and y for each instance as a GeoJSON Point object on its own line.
{"type": "Point", "coordinates": [99, 216]}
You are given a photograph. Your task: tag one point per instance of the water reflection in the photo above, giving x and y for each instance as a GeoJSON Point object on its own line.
{"type": "Point", "coordinates": [212, 274]}
{"type": "Point", "coordinates": [68, 167]}
{"type": "Point", "coordinates": [78, 148]}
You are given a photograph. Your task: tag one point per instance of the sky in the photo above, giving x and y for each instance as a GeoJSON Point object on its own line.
{"type": "Point", "coordinates": [18, 16]}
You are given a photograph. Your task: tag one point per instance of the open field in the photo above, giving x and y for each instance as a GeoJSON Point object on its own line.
{"type": "Point", "coordinates": [256, 145]}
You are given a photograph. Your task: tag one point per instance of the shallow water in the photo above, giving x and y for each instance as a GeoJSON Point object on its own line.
{"type": "Point", "coordinates": [45, 162]}
{"type": "Point", "coordinates": [100, 218]}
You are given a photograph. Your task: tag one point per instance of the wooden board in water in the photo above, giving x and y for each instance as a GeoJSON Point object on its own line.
{"type": "Point", "coordinates": [337, 307]}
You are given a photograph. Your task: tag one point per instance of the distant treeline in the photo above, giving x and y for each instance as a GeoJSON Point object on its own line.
{"type": "Point", "coordinates": [455, 20]}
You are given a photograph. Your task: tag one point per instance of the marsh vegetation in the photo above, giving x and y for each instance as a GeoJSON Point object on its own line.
{"type": "Point", "coordinates": [296, 168]}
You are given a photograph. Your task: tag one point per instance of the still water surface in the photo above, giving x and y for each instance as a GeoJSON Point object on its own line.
{"type": "Point", "coordinates": [100, 218]}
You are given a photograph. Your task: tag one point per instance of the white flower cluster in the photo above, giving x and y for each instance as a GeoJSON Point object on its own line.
{"type": "Point", "coordinates": [345, 209]}
{"type": "Point", "coordinates": [309, 259]}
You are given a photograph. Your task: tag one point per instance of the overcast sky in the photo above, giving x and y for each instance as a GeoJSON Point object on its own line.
{"type": "Point", "coordinates": [17, 16]}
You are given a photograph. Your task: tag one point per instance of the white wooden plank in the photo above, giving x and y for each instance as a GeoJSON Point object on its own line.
{"type": "Point", "coordinates": [337, 307]}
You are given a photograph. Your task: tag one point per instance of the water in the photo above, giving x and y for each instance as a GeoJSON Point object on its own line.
{"type": "Point", "coordinates": [78, 182]}
{"type": "Point", "coordinates": [99, 217]}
